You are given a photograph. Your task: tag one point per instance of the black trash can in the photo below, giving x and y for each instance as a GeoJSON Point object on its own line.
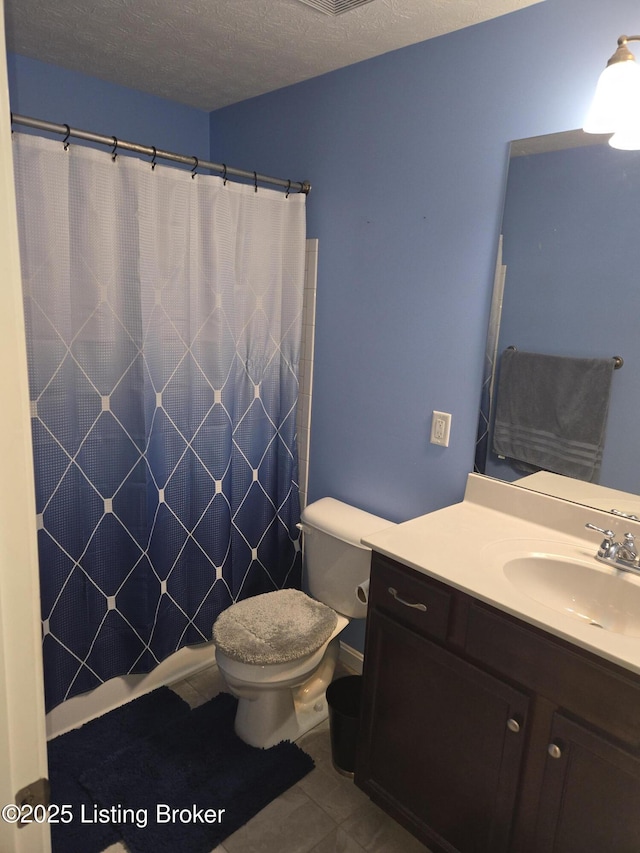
{"type": "Point", "coordinates": [344, 699]}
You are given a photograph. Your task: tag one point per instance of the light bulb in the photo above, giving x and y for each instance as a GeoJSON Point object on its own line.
{"type": "Point", "coordinates": [617, 96]}
{"type": "Point", "coordinates": [628, 137]}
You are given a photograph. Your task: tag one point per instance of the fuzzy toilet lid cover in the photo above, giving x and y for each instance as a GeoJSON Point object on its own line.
{"type": "Point", "coordinates": [274, 627]}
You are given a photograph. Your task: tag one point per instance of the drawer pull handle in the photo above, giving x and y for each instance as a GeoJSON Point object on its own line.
{"type": "Point", "coordinates": [394, 593]}
{"type": "Point", "coordinates": [554, 750]}
{"type": "Point", "coordinates": [513, 725]}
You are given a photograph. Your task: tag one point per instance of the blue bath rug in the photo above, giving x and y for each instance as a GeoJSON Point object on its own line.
{"type": "Point", "coordinates": [189, 785]}
{"type": "Point", "coordinates": [71, 754]}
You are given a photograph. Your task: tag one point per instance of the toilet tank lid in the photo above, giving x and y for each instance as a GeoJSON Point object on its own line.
{"type": "Point", "coordinates": [341, 520]}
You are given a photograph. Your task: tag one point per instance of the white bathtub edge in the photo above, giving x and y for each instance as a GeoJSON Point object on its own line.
{"type": "Point", "coordinates": [117, 691]}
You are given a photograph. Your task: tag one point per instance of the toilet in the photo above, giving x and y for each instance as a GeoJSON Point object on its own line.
{"type": "Point", "coordinates": [277, 651]}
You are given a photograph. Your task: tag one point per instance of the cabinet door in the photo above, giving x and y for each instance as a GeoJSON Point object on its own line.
{"type": "Point", "coordinates": [440, 743]}
{"type": "Point", "coordinates": [590, 800]}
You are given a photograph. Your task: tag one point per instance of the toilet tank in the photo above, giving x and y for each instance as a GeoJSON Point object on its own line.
{"type": "Point", "coordinates": [335, 560]}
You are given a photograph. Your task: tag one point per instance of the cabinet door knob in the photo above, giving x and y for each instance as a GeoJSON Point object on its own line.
{"type": "Point", "coordinates": [418, 606]}
{"type": "Point", "coordinates": [513, 725]}
{"type": "Point", "coordinates": [554, 750]}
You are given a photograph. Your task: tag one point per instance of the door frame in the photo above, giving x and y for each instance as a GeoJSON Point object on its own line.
{"type": "Point", "coordinates": [23, 748]}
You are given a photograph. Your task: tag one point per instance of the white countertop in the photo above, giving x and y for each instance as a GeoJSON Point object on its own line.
{"type": "Point", "coordinates": [588, 494]}
{"type": "Point", "coordinates": [467, 544]}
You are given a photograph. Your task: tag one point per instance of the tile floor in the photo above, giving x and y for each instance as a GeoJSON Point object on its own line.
{"type": "Point", "coordinates": [323, 813]}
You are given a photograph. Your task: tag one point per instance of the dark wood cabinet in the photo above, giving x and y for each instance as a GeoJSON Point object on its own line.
{"type": "Point", "coordinates": [590, 794]}
{"type": "Point", "coordinates": [483, 734]}
{"type": "Point", "coordinates": [444, 740]}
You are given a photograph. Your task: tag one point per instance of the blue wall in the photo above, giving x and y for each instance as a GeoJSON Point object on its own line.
{"type": "Point", "coordinates": [407, 154]}
{"type": "Point", "coordinates": [571, 248]}
{"type": "Point", "coordinates": [44, 91]}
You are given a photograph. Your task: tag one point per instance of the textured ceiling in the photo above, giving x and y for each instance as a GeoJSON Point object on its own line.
{"type": "Point", "coordinates": [210, 53]}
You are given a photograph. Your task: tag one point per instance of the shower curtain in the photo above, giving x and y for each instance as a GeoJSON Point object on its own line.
{"type": "Point", "coordinates": [163, 316]}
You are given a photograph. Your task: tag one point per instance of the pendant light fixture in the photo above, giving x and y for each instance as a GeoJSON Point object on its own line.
{"type": "Point", "coordinates": [616, 104]}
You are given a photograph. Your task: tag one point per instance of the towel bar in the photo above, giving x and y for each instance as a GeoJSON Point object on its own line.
{"type": "Point", "coordinates": [618, 359]}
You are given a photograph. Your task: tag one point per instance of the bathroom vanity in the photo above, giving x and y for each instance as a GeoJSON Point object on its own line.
{"type": "Point", "coordinates": [493, 721]}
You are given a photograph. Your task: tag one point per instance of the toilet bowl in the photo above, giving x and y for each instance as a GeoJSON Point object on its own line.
{"type": "Point", "coordinates": [277, 651]}
{"type": "Point", "coordinates": [281, 701]}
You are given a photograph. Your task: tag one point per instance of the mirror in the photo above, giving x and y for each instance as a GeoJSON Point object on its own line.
{"type": "Point", "coordinates": [568, 283]}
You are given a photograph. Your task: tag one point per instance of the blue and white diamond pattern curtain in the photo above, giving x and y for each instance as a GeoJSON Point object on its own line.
{"type": "Point", "coordinates": [163, 319]}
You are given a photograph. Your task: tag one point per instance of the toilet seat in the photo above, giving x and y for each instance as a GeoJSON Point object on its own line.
{"type": "Point", "coordinates": [274, 628]}
{"type": "Point", "coordinates": [274, 673]}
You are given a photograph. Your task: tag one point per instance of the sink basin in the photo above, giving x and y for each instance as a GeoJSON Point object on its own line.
{"type": "Point", "coordinates": [596, 595]}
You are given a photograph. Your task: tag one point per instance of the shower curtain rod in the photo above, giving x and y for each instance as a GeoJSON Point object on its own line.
{"type": "Point", "coordinates": [155, 153]}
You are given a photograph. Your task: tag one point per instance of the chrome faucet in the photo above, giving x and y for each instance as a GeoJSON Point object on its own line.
{"type": "Point", "coordinates": [623, 555]}
{"type": "Point", "coordinates": [628, 515]}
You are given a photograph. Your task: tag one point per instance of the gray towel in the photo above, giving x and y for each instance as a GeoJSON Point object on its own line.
{"type": "Point", "coordinates": [551, 412]}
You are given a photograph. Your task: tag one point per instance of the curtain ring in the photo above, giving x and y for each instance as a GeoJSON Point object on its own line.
{"type": "Point", "coordinates": [65, 141]}
{"type": "Point", "coordinates": [195, 166]}
{"type": "Point", "coordinates": [224, 174]}
{"type": "Point", "coordinates": [255, 182]}
{"type": "Point", "coordinates": [153, 159]}
{"type": "Point", "coordinates": [115, 145]}
{"type": "Point", "coordinates": [288, 189]}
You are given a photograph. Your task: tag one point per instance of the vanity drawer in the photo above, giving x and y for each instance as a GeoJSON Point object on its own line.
{"type": "Point", "coordinates": [593, 689]}
{"type": "Point", "coordinates": [413, 599]}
